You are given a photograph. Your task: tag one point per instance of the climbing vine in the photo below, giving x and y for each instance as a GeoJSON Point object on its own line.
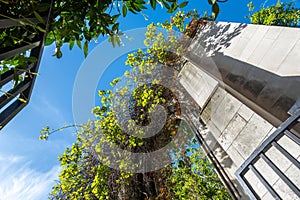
{"type": "Point", "coordinates": [85, 166]}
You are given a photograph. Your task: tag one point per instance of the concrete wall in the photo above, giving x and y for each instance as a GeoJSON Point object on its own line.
{"type": "Point", "coordinates": [253, 60]}
{"type": "Point", "coordinates": [245, 78]}
{"type": "Point", "coordinates": [271, 48]}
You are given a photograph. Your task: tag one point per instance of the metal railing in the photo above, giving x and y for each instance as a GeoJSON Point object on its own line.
{"type": "Point", "coordinates": [287, 130]}
{"type": "Point", "coordinates": [16, 98]}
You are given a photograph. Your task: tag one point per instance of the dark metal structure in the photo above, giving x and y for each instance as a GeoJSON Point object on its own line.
{"type": "Point", "coordinates": [286, 129]}
{"type": "Point", "coordinates": [16, 98]}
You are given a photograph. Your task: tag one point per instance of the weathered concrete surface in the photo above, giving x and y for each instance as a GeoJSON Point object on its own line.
{"type": "Point", "coordinates": [258, 80]}
{"type": "Point", "coordinates": [261, 64]}
{"type": "Point", "coordinates": [235, 133]}
{"type": "Point", "coordinates": [271, 48]}
{"type": "Point", "coordinates": [204, 87]}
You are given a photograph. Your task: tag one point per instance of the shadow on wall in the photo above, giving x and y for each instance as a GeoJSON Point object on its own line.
{"type": "Point", "coordinates": [221, 162]}
{"type": "Point", "coordinates": [268, 94]}
{"type": "Point", "coordinates": [214, 37]}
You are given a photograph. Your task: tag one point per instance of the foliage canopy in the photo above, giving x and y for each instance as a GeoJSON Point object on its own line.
{"type": "Point", "coordinates": [281, 14]}
{"type": "Point", "coordinates": [76, 22]}
{"type": "Point", "coordinates": [72, 22]}
{"type": "Point", "coordinates": [85, 173]}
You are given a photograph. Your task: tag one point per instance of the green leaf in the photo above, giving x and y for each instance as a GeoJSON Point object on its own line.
{"type": "Point", "coordinates": [215, 11]}
{"type": "Point", "coordinates": [49, 41]}
{"type": "Point", "coordinates": [118, 41]}
{"type": "Point", "coordinates": [32, 59]}
{"type": "Point", "coordinates": [172, 8]}
{"type": "Point", "coordinates": [71, 44]}
{"type": "Point", "coordinates": [86, 48]}
{"type": "Point", "coordinates": [278, 4]}
{"type": "Point", "coordinates": [183, 4]}
{"type": "Point", "coordinates": [115, 27]}
{"type": "Point", "coordinates": [31, 36]}
{"type": "Point", "coordinates": [40, 29]}
{"type": "Point", "coordinates": [78, 42]}
{"type": "Point", "coordinates": [166, 5]}
{"type": "Point", "coordinates": [6, 2]}
{"type": "Point", "coordinates": [153, 4]}
{"type": "Point", "coordinates": [76, 29]}
{"type": "Point", "coordinates": [114, 18]}
{"type": "Point", "coordinates": [38, 16]}
{"type": "Point", "coordinates": [124, 10]}
{"type": "Point", "coordinates": [113, 41]}
{"type": "Point", "coordinates": [250, 6]}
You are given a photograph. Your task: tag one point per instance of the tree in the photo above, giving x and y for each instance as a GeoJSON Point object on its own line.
{"type": "Point", "coordinates": [76, 21]}
{"type": "Point", "coordinates": [281, 14]}
{"type": "Point", "coordinates": [73, 22]}
{"type": "Point", "coordinates": [189, 177]}
{"type": "Point", "coordinates": [86, 174]}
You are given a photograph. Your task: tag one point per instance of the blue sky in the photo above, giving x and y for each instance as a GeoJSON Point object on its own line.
{"type": "Point", "coordinates": [28, 167]}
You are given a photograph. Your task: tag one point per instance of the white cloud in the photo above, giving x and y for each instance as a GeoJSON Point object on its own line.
{"type": "Point", "coordinates": [20, 182]}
